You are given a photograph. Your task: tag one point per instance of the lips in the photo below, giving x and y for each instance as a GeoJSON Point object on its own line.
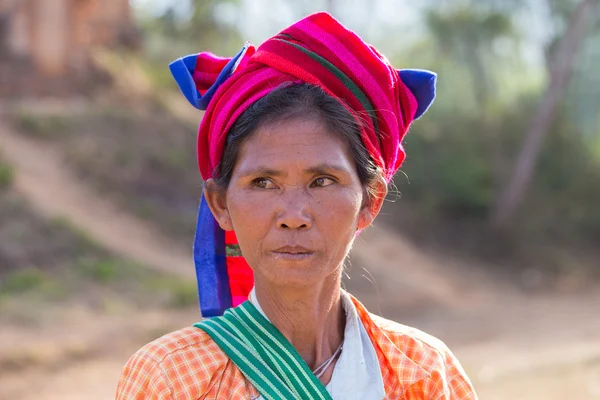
{"type": "Point", "coordinates": [292, 249]}
{"type": "Point", "coordinates": [293, 253]}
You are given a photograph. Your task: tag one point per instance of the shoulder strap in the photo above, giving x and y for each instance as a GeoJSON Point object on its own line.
{"type": "Point", "coordinates": [263, 355]}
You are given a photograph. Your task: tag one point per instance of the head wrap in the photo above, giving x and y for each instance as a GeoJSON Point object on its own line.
{"type": "Point", "coordinates": [317, 50]}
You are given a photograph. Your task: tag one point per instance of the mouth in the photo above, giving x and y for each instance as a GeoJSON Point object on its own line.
{"type": "Point", "coordinates": [293, 253]}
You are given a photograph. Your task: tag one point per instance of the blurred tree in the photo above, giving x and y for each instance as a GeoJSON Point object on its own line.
{"type": "Point", "coordinates": [560, 70]}
{"type": "Point", "coordinates": [468, 36]}
{"type": "Point", "coordinates": [207, 25]}
{"type": "Point", "coordinates": [493, 79]}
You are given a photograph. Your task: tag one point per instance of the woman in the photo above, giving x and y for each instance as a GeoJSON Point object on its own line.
{"type": "Point", "coordinates": [296, 147]}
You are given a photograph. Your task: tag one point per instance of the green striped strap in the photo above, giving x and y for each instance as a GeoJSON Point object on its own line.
{"type": "Point", "coordinates": [263, 355]}
{"type": "Point", "coordinates": [279, 368]}
{"type": "Point", "coordinates": [267, 383]}
{"type": "Point", "coordinates": [281, 350]}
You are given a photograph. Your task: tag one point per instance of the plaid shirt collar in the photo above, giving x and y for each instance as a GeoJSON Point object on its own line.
{"type": "Point", "coordinates": [398, 370]}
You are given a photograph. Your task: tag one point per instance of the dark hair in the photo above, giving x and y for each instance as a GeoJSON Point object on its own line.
{"type": "Point", "coordinates": [294, 101]}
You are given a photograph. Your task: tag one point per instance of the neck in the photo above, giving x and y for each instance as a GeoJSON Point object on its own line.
{"type": "Point", "coordinates": [311, 318]}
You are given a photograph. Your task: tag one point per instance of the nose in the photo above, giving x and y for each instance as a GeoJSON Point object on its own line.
{"type": "Point", "coordinates": [294, 211]}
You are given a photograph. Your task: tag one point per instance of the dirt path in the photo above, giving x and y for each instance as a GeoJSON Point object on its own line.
{"type": "Point", "coordinates": [81, 356]}
{"type": "Point", "coordinates": [514, 346]}
{"type": "Point", "coordinates": [53, 190]}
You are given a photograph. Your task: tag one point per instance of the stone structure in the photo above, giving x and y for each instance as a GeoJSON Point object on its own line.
{"type": "Point", "coordinates": [56, 35]}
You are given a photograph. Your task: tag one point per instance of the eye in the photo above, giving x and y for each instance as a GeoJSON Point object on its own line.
{"type": "Point", "coordinates": [322, 182]}
{"type": "Point", "coordinates": [263, 183]}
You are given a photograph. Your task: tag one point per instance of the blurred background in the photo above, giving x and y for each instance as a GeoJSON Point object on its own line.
{"type": "Point", "coordinates": [489, 240]}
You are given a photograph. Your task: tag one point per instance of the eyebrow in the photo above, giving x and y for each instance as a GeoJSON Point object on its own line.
{"type": "Point", "coordinates": [322, 168]}
{"type": "Point", "coordinates": [325, 168]}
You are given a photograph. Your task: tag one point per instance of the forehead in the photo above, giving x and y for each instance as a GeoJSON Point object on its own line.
{"type": "Point", "coordinates": [300, 141]}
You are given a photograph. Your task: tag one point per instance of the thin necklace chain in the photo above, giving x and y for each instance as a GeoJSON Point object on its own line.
{"type": "Point", "coordinates": [320, 370]}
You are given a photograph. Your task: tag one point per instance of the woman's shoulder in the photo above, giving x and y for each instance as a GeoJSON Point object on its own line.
{"type": "Point", "coordinates": [426, 350]}
{"type": "Point", "coordinates": [404, 335]}
{"type": "Point", "coordinates": [183, 360]}
{"type": "Point", "coordinates": [189, 343]}
{"type": "Point", "coordinates": [421, 354]}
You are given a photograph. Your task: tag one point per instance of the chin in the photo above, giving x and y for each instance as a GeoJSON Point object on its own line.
{"type": "Point", "coordinates": [297, 274]}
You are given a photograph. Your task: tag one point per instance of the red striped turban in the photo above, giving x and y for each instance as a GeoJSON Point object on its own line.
{"type": "Point", "coordinates": [316, 50]}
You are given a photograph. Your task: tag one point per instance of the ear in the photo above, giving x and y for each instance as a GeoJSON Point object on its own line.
{"type": "Point", "coordinates": [217, 202]}
{"type": "Point", "coordinates": [372, 206]}
{"type": "Point", "coordinates": [421, 83]}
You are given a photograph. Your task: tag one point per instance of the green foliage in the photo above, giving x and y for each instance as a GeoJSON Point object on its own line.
{"type": "Point", "coordinates": [177, 158]}
{"type": "Point", "coordinates": [179, 293]}
{"type": "Point", "coordinates": [567, 186]}
{"type": "Point", "coordinates": [42, 126]}
{"type": "Point", "coordinates": [63, 225]}
{"type": "Point", "coordinates": [32, 281]}
{"type": "Point", "coordinates": [450, 172]}
{"type": "Point", "coordinates": [45, 263]}
{"type": "Point", "coordinates": [6, 175]}
{"type": "Point", "coordinates": [101, 270]}
{"type": "Point", "coordinates": [22, 280]}
{"type": "Point", "coordinates": [184, 295]}
{"type": "Point", "coordinates": [171, 36]}
{"type": "Point", "coordinates": [467, 38]}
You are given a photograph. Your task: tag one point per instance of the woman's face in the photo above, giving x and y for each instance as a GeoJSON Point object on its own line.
{"type": "Point", "coordinates": [295, 202]}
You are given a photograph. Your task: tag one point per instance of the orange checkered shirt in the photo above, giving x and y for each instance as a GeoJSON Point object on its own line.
{"type": "Point", "coordinates": [188, 365]}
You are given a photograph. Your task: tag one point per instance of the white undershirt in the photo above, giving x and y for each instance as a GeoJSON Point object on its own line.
{"type": "Point", "coordinates": [356, 375]}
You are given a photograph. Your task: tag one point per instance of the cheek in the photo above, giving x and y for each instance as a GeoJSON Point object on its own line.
{"type": "Point", "coordinates": [249, 213]}
{"type": "Point", "coordinates": [339, 208]}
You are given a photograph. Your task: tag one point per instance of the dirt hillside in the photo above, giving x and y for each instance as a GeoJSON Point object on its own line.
{"type": "Point", "coordinates": [513, 344]}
